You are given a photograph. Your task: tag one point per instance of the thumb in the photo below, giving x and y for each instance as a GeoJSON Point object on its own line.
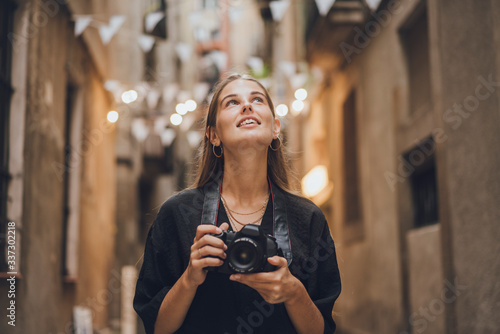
{"type": "Point", "coordinates": [224, 226]}
{"type": "Point", "coordinates": [277, 261]}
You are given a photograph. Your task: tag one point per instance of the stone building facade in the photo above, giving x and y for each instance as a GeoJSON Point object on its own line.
{"type": "Point", "coordinates": [407, 120]}
{"type": "Point", "coordinates": [62, 171]}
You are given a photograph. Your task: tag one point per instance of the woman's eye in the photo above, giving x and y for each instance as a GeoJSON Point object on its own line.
{"type": "Point", "coordinates": [258, 99]}
{"type": "Point", "coordinates": [231, 103]}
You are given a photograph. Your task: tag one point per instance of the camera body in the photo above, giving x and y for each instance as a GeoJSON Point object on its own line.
{"type": "Point", "coordinates": [247, 251]}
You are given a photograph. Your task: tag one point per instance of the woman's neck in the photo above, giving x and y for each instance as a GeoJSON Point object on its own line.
{"type": "Point", "coordinates": [245, 178]}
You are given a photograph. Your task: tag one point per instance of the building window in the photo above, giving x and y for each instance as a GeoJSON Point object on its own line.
{"type": "Point", "coordinates": [423, 183]}
{"type": "Point", "coordinates": [71, 173]}
{"type": "Point", "coordinates": [6, 25]}
{"type": "Point", "coordinates": [415, 39]}
{"type": "Point", "coordinates": [352, 200]}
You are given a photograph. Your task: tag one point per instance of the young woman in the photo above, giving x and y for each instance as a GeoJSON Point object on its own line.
{"type": "Point", "coordinates": [242, 179]}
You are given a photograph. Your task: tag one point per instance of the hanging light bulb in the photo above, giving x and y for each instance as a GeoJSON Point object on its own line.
{"type": "Point", "coordinates": [129, 96]}
{"type": "Point", "coordinates": [113, 116]}
{"type": "Point", "coordinates": [297, 107]}
{"type": "Point", "coordinates": [176, 119]}
{"type": "Point", "coordinates": [301, 94]}
{"type": "Point", "coordinates": [281, 110]}
{"type": "Point", "coordinates": [190, 105]}
{"type": "Point", "coordinates": [181, 109]}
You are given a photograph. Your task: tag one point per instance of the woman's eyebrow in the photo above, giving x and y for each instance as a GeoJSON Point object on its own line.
{"type": "Point", "coordinates": [227, 96]}
{"type": "Point", "coordinates": [257, 92]}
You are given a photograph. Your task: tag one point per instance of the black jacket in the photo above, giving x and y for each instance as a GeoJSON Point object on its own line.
{"type": "Point", "coordinates": [221, 305]}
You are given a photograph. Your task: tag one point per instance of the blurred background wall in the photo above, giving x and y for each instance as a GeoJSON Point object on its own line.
{"type": "Point", "coordinates": [390, 111]}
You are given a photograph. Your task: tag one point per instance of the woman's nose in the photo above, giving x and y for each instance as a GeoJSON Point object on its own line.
{"type": "Point", "coordinates": [247, 107]}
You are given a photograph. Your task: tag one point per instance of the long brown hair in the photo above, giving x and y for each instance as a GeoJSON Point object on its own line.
{"type": "Point", "coordinates": [210, 167]}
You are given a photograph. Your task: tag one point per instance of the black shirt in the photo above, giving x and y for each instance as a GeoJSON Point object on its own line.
{"type": "Point", "coordinates": [224, 306]}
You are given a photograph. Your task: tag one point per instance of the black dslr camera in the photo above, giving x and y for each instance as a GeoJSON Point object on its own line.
{"type": "Point", "coordinates": [247, 251]}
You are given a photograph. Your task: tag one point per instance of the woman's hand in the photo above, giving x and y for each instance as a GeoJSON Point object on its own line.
{"type": "Point", "coordinates": [280, 286]}
{"type": "Point", "coordinates": [275, 287]}
{"type": "Point", "coordinates": [206, 251]}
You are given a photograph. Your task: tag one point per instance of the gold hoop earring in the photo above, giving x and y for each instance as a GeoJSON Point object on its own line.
{"type": "Point", "coordinates": [221, 151]}
{"type": "Point", "coordinates": [277, 148]}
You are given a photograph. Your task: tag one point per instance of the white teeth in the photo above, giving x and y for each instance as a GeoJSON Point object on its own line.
{"type": "Point", "coordinates": [248, 121]}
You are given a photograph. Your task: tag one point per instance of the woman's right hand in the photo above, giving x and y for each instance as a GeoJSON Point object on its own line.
{"type": "Point", "coordinates": [206, 251]}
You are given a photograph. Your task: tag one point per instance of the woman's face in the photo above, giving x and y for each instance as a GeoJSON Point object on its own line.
{"type": "Point", "coordinates": [244, 117]}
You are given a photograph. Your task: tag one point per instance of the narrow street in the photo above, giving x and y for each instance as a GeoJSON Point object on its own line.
{"type": "Point", "coordinates": [390, 121]}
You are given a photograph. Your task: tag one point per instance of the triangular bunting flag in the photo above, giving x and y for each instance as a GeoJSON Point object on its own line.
{"type": "Point", "coordinates": [116, 21]}
{"type": "Point", "coordinates": [160, 125]}
{"type": "Point", "coordinates": [256, 64]}
{"type": "Point", "coordinates": [201, 35]}
{"type": "Point", "coordinates": [298, 80]}
{"type": "Point", "coordinates": [324, 6]}
{"type": "Point", "coordinates": [112, 85]}
{"type": "Point", "coordinates": [169, 93]}
{"type": "Point", "coordinates": [194, 138]}
{"type": "Point", "coordinates": [183, 51]}
{"type": "Point", "coordinates": [115, 87]}
{"type": "Point", "coordinates": [200, 91]}
{"type": "Point", "coordinates": [287, 67]}
{"type": "Point", "coordinates": [146, 42]}
{"type": "Point", "coordinates": [195, 18]}
{"type": "Point", "coordinates": [373, 4]}
{"type": "Point", "coordinates": [183, 96]}
{"type": "Point", "coordinates": [152, 99]}
{"type": "Point", "coordinates": [167, 137]}
{"type": "Point", "coordinates": [108, 31]}
{"type": "Point", "coordinates": [81, 23]}
{"type": "Point", "coordinates": [139, 129]}
{"type": "Point", "coordinates": [142, 89]}
{"type": "Point", "coordinates": [152, 20]}
{"type": "Point", "coordinates": [235, 13]}
{"type": "Point", "coordinates": [220, 59]}
{"type": "Point", "coordinates": [278, 9]}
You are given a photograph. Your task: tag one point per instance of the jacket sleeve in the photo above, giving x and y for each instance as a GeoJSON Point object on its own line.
{"type": "Point", "coordinates": [322, 268]}
{"type": "Point", "coordinates": [161, 268]}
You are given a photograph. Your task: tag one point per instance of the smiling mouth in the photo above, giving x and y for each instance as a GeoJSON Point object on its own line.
{"type": "Point", "coordinates": [248, 121]}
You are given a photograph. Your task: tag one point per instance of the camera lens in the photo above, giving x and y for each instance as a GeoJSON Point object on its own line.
{"type": "Point", "coordinates": [245, 255]}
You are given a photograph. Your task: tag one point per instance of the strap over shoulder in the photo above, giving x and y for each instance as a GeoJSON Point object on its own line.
{"type": "Point", "coordinates": [212, 191]}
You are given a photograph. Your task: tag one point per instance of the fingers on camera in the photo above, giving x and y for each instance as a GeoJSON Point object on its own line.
{"type": "Point", "coordinates": [211, 262]}
{"type": "Point", "coordinates": [212, 251]}
{"type": "Point", "coordinates": [213, 241]}
{"type": "Point", "coordinates": [202, 230]}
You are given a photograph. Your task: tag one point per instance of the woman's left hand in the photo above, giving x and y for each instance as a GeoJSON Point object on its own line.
{"type": "Point", "coordinates": [275, 287]}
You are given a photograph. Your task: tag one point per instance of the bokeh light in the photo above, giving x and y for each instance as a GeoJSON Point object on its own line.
{"type": "Point", "coordinates": [315, 181]}
{"type": "Point", "coordinates": [176, 119]}
{"type": "Point", "coordinates": [301, 94]}
{"type": "Point", "coordinates": [281, 110]}
{"type": "Point", "coordinates": [297, 107]}
{"type": "Point", "coordinates": [113, 116]}
{"type": "Point", "coordinates": [191, 105]}
{"type": "Point", "coordinates": [181, 109]}
{"type": "Point", "coordinates": [129, 96]}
